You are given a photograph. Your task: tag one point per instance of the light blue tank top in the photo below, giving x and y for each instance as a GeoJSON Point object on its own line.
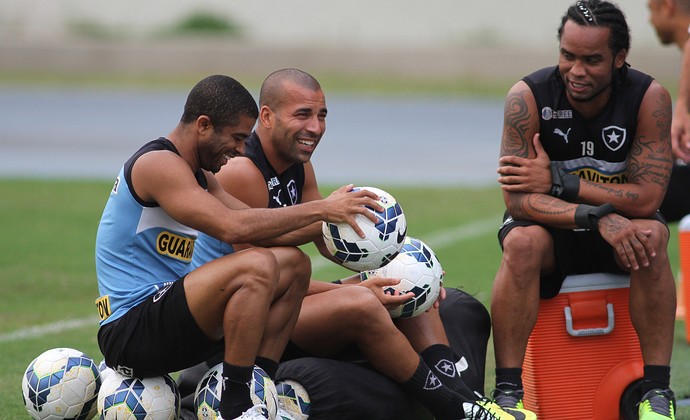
{"type": "Point", "coordinates": [140, 249]}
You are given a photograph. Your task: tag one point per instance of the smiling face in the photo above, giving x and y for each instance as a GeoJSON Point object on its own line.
{"type": "Point", "coordinates": [295, 125]}
{"type": "Point", "coordinates": [586, 64]}
{"type": "Point", "coordinates": [216, 147]}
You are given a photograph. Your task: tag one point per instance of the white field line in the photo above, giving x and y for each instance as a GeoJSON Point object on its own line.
{"type": "Point", "coordinates": [42, 330]}
{"type": "Point", "coordinates": [436, 240]}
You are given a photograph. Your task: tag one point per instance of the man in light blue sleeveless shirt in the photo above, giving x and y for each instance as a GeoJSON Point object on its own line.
{"type": "Point", "coordinates": [157, 318]}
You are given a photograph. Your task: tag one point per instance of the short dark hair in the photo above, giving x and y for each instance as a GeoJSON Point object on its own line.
{"type": "Point", "coordinates": [271, 88]}
{"type": "Point", "coordinates": [222, 99]}
{"type": "Point", "coordinates": [601, 14]}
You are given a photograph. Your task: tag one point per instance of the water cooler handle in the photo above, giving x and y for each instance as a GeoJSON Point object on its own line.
{"type": "Point", "coordinates": [585, 332]}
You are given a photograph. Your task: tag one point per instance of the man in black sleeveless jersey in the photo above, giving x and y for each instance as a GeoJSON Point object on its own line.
{"type": "Point", "coordinates": [276, 171]}
{"type": "Point", "coordinates": [671, 20]}
{"type": "Point", "coordinates": [585, 162]}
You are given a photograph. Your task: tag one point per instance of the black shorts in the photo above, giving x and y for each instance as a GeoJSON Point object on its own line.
{"type": "Point", "coordinates": [156, 337]}
{"type": "Point", "coordinates": [576, 251]}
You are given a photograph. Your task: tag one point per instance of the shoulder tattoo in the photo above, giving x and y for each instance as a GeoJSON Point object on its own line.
{"type": "Point", "coordinates": [651, 160]}
{"type": "Point", "coordinates": [517, 120]}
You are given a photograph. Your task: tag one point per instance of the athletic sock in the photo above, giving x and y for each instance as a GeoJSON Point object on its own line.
{"type": "Point", "coordinates": [440, 359]}
{"type": "Point", "coordinates": [235, 398]}
{"type": "Point", "coordinates": [440, 400]}
{"type": "Point", "coordinates": [269, 366]}
{"type": "Point", "coordinates": [509, 379]}
{"type": "Point", "coordinates": [655, 376]}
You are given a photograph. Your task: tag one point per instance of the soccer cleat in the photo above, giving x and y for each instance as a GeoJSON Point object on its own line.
{"type": "Point", "coordinates": [485, 409]}
{"type": "Point", "coordinates": [257, 412]}
{"type": "Point", "coordinates": [283, 415]}
{"type": "Point", "coordinates": [511, 403]}
{"type": "Point", "coordinates": [658, 404]}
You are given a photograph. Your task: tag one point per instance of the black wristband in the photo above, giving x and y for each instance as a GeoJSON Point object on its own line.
{"type": "Point", "coordinates": [563, 185]}
{"type": "Point", "coordinates": [587, 217]}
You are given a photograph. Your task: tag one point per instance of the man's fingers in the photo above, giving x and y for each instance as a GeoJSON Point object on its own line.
{"type": "Point", "coordinates": [537, 145]}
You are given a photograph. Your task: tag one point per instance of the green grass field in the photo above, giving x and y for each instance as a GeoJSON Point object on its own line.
{"type": "Point", "coordinates": [49, 284]}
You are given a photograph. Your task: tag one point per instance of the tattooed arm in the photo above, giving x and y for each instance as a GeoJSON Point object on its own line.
{"type": "Point", "coordinates": [520, 122]}
{"type": "Point", "coordinates": [531, 202]}
{"type": "Point", "coordinates": [649, 162]}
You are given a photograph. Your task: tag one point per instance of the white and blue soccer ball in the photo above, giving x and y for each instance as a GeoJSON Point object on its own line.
{"type": "Point", "coordinates": [419, 271]}
{"type": "Point", "coordinates": [208, 393]}
{"type": "Point", "coordinates": [382, 240]}
{"type": "Point", "coordinates": [126, 398]}
{"type": "Point", "coordinates": [293, 399]}
{"type": "Point", "coordinates": [61, 383]}
{"type": "Point", "coordinates": [104, 370]}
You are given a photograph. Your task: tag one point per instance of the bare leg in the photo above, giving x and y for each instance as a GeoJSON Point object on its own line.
{"type": "Point", "coordinates": [424, 330]}
{"type": "Point", "coordinates": [295, 273]}
{"type": "Point", "coordinates": [527, 251]}
{"type": "Point", "coordinates": [332, 320]}
{"type": "Point", "coordinates": [653, 302]}
{"type": "Point", "coordinates": [231, 297]}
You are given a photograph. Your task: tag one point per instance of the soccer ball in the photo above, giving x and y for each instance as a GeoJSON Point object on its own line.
{"type": "Point", "coordinates": [419, 271]}
{"type": "Point", "coordinates": [293, 398]}
{"type": "Point", "coordinates": [125, 398]}
{"type": "Point", "coordinates": [382, 241]}
{"type": "Point", "coordinates": [61, 383]}
{"type": "Point", "coordinates": [105, 370]}
{"type": "Point", "coordinates": [208, 392]}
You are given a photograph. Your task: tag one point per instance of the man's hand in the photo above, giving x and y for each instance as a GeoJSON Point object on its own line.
{"type": "Point", "coordinates": [525, 175]}
{"type": "Point", "coordinates": [630, 243]}
{"type": "Point", "coordinates": [343, 204]}
{"type": "Point", "coordinates": [441, 296]}
{"type": "Point", "coordinates": [389, 301]}
{"type": "Point", "coordinates": [680, 131]}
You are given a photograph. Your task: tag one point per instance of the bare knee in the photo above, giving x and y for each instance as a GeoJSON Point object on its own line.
{"type": "Point", "coordinates": [527, 247]}
{"type": "Point", "coordinates": [362, 308]}
{"type": "Point", "coordinates": [252, 273]}
{"type": "Point", "coordinates": [658, 272]}
{"type": "Point", "coordinates": [295, 266]}
{"type": "Point", "coordinates": [659, 237]}
{"type": "Point", "coordinates": [259, 267]}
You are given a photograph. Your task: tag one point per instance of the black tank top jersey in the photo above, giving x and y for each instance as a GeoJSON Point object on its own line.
{"type": "Point", "coordinates": [283, 189]}
{"type": "Point", "coordinates": [597, 148]}
{"type": "Point", "coordinates": [160, 143]}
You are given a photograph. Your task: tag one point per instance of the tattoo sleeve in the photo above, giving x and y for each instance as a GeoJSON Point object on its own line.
{"type": "Point", "coordinates": [519, 125]}
{"type": "Point", "coordinates": [650, 159]}
{"type": "Point", "coordinates": [539, 207]}
{"type": "Point", "coordinates": [516, 124]}
{"type": "Point", "coordinates": [649, 163]}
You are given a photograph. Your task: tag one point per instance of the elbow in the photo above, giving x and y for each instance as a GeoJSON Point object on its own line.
{"type": "Point", "coordinates": [235, 237]}
{"type": "Point", "coordinates": [513, 204]}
